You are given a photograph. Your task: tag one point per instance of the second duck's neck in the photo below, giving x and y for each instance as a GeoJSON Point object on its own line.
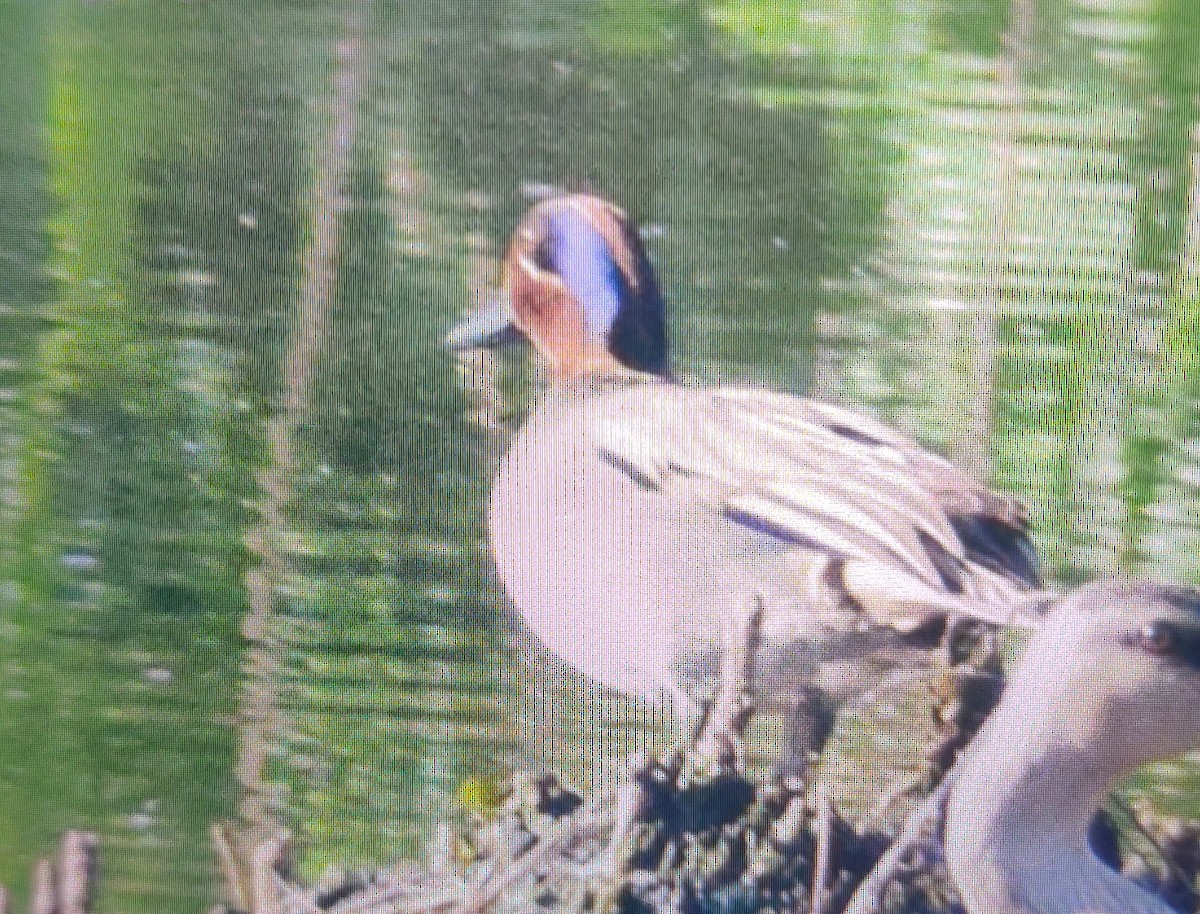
{"type": "Point", "coordinates": [1019, 813]}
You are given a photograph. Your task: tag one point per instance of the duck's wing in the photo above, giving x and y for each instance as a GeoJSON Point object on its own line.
{"type": "Point", "coordinates": [855, 505]}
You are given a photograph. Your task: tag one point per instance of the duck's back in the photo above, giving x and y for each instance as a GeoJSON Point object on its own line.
{"type": "Point", "coordinates": [630, 518]}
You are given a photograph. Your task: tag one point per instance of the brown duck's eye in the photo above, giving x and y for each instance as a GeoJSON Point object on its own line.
{"type": "Point", "coordinates": [1159, 638]}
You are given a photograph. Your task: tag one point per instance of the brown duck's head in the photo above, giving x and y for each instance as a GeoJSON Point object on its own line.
{"type": "Point", "coordinates": [579, 287]}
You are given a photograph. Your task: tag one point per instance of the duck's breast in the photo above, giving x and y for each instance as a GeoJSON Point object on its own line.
{"type": "Point", "coordinates": [629, 524]}
{"type": "Point", "coordinates": [618, 578]}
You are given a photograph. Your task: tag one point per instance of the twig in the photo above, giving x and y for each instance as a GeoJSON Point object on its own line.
{"type": "Point", "coordinates": [223, 843]}
{"type": "Point", "coordinates": [41, 893]}
{"type": "Point", "coordinates": [76, 872]}
{"type": "Point", "coordinates": [868, 897]}
{"type": "Point", "coordinates": [899, 788]}
{"type": "Point", "coordinates": [578, 827]}
{"type": "Point", "coordinates": [824, 856]}
{"type": "Point", "coordinates": [393, 899]}
{"type": "Point", "coordinates": [721, 735]}
{"type": "Point", "coordinates": [630, 803]}
{"type": "Point", "coordinates": [790, 825]}
{"type": "Point", "coordinates": [264, 860]}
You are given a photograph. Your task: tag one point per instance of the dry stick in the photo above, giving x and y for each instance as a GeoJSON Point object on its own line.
{"type": "Point", "coordinates": [260, 705]}
{"type": "Point", "coordinates": [296, 900]}
{"type": "Point", "coordinates": [586, 824]}
{"type": "Point", "coordinates": [868, 897]}
{"type": "Point", "coordinates": [398, 897]}
{"type": "Point", "coordinates": [900, 788]}
{"type": "Point", "coordinates": [67, 887]}
{"type": "Point", "coordinates": [575, 829]}
{"type": "Point", "coordinates": [824, 861]}
{"type": "Point", "coordinates": [720, 735]}
{"type": "Point", "coordinates": [264, 887]}
{"type": "Point", "coordinates": [41, 893]}
{"type": "Point", "coordinates": [76, 872]}
{"type": "Point", "coordinates": [629, 805]}
{"type": "Point", "coordinates": [3, 900]}
{"type": "Point", "coordinates": [393, 899]}
{"type": "Point", "coordinates": [223, 839]}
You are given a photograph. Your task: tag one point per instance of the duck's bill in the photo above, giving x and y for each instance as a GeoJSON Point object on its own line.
{"type": "Point", "coordinates": [487, 327]}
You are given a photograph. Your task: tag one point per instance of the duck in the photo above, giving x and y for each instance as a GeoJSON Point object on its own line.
{"type": "Point", "coordinates": [1109, 682]}
{"type": "Point", "coordinates": [635, 518]}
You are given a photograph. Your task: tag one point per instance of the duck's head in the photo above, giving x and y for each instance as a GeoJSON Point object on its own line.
{"type": "Point", "coordinates": [1117, 669]}
{"type": "Point", "coordinates": [579, 287]}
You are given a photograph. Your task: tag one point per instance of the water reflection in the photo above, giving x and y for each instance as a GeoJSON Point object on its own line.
{"type": "Point", "coordinates": [982, 227]}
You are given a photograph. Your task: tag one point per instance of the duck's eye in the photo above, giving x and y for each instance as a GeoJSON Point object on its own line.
{"type": "Point", "coordinates": [543, 255]}
{"type": "Point", "coordinates": [1159, 638]}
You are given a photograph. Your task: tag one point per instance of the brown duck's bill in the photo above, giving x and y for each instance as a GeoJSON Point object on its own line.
{"type": "Point", "coordinates": [487, 327]}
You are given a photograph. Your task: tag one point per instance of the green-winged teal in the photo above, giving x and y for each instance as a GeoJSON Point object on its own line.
{"type": "Point", "coordinates": [633, 516]}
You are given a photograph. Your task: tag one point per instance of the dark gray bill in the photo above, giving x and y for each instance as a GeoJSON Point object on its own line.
{"type": "Point", "coordinates": [487, 327]}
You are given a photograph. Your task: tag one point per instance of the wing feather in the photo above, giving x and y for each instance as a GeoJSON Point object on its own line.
{"type": "Point", "coordinates": [824, 479]}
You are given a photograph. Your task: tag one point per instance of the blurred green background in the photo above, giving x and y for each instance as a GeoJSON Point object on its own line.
{"type": "Point", "coordinates": [232, 235]}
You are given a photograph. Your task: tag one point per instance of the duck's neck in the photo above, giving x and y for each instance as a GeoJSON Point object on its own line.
{"type": "Point", "coordinates": [599, 381]}
{"type": "Point", "coordinates": [1018, 819]}
{"type": "Point", "coordinates": [592, 360]}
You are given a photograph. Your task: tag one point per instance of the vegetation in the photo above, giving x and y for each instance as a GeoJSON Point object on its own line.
{"type": "Point", "coordinates": [978, 220]}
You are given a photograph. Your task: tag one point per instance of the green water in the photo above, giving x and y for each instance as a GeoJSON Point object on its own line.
{"type": "Point", "coordinates": [979, 220]}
